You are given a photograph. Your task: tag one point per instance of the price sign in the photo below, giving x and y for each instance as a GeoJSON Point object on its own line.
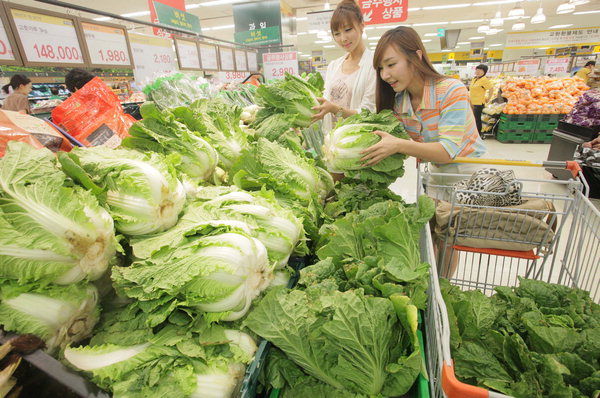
{"type": "Point", "coordinates": [277, 64]}
{"type": "Point", "coordinates": [208, 56]}
{"type": "Point", "coordinates": [231, 77]}
{"type": "Point", "coordinates": [241, 63]}
{"type": "Point", "coordinates": [153, 56]}
{"type": "Point", "coordinates": [47, 39]}
{"type": "Point", "coordinates": [226, 58]}
{"type": "Point", "coordinates": [527, 66]}
{"type": "Point", "coordinates": [6, 50]}
{"type": "Point", "coordinates": [252, 61]}
{"type": "Point", "coordinates": [107, 45]}
{"type": "Point", "coordinates": [187, 54]}
{"type": "Point", "coordinates": [557, 65]}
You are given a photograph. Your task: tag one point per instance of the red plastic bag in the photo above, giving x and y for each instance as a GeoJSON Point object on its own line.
{"type": "Point", "coordinates": [93, 115]}
{"type": "Point", "coordinates": [15, 126]}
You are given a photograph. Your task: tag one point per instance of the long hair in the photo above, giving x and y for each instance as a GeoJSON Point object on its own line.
{"type": "Point", "coordinates": [407, 41]}
{"type": "Point", "coordinates": [16, 81]}
{"type": "Point", "coordinates": [346, 11]}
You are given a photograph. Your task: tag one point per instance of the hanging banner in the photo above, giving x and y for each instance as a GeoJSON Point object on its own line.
{"type": "Point", "coordinates": [177, 18]}
{"type": "Point", "coordinates": [383, 11]}
{"type": "Point", "coordinates": [277, 64]}
{"type": "Point", "coordinates": [106, 45]}
{"type": "Point", "coordinates": [188, 56]}
{"type": "Point", "coordinates": [527, 66]}
{"type": "Point", "coordinates": [553, 38]}
{"type": "Point", "coordinates": [178, 4]}
{"type": "Point", "coordinates": [153, 56]}
{"type": "Point", "coordinates": [209, 57]}
{"type": "Point", "coordinates": [557, 65]}
{"type": "Point", "coordinates": [257, 23]}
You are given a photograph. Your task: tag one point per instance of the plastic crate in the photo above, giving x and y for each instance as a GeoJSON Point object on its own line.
{"type": "Point", "coordinates": [586, 133]}
{"type": "Point", "coordinates": [514, 136]}
{"type": "Point", "coordinates": [517, 124]}
{"type": "Point", "coordinates": [519, 117]}
{"type": "Point", "coordinates": [548, 122]}
{"type": "Point", "coordinates": [550, 117]}
{"type": "Point", "coordinates": [542, 137]}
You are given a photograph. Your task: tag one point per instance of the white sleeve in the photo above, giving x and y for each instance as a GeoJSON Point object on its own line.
{"type": "Point", "coordinates": [368, 99]}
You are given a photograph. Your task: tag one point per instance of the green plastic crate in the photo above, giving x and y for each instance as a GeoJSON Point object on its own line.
{"type": "Point", "coordinates": [518, 124]}
{"type": "Point", "coordinates": [519, 117]}
{"type": "Point", "coordinates": [542, 137]}
{"type": "Point", "coordinates": [514, 136]}
{"type": "Point", "coordinates": [548, 122]}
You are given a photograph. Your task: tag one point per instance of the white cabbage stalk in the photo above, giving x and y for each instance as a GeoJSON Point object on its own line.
{"type": "Point", "coordinates": [217, 383]}
{"type": "Point", "coordinates": [86, 360]}
{"type": "Point", "coordinates": [342, 146]}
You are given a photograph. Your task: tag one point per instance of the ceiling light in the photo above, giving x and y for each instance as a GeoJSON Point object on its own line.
{"type": "Point", "coordinates": [579, 2]}
{"type": "Point", "coordinates": [102, 19]}
{"type": "Point", "coordinates": [329, 46]}
{"type": "Point", "coordinates": [586, 12]}
{"type": "Point", "coordinates": [468, 21]}
{"type": "Point", "coordinates": [414, 9]}
{"type": "Point", "coordinates": [430, 23]}
{"type": "Point", "coordinates": [430, 34]}
{"type": "Point", "coordinates": [461, 5]}
{"type": "Point", "coordinates": [375, 38]}
{"type": "Point", "coordinates": [518, 11]}
{"type": "Point", "coordinates": [475, 37]}
{"type": "Point", "coordinates": [493, 32]}
{"type": "Point", "coordinates": [192, 6]}
{"type": "Point", "coordinates": [539, 16]}
{"type": "Point", "coordinates": [495, 45]}
{"type": "Point", "coordinates": [491, 3]}
{"type": "Point", "coordinates": [222, 27]}
{"type": "Point", "coordinates": [560, 26]}
{"type": "Point", "coordinates": [565, 8]}
{"type": "Point", "coordinates": [322, 41]}
{"type": "Point", "coordinates": [136, 14]}
{"type": "Point", "coordinates": [326, 6]}
{"type": "Point", "coordinates": [302, 33]}
{"type": "Point", "coordinates": [463, 42]}
{"type": "Point", "coordinates": [518, 26]}
{"type": "Point", "coordinates": [483, 28]}
{"type": "Point", "coordinates": [426, 40]}
{"type": "Point", "coordinates": [301, 18]}
{"type": "Point", "coordinates": [497, 20]}
{"type": "Point", "coordinates": [220, 2]}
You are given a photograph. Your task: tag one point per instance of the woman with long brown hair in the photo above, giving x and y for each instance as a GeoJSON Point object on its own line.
{"type": "Point", "coordinates": [350, 80]}
{"type": "Point", "coordinates": [434, 108]}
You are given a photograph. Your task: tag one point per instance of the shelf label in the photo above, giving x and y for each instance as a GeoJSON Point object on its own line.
{"type": "Point", "coordinates": [187, 51]}
{"type": "Point", "coordinates": [6, 51]}
{"type": "Point", "coordinates": [106, 45]}
{"type": "Point", "coordinates": [226, 57]}
{"type": "Point", "coordinates": [277, 64]}
{"type": "Point", "coordinates": [252, 61]}
{"type": "Point", "coordinates": [240, 61]}
{"type": "Point", "coordinates": [153, 56]}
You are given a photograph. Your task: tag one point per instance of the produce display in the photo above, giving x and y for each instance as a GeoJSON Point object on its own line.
{"type": "Point", "coordinates": [542, 95]}
{"type": "Point", "coordinates": [586, 111]}
{"type": "Point", "coordinates": [535, 340]}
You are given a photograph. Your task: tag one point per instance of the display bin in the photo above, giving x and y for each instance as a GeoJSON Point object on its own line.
{"type": "Point", "coordinates": [576, 223]}
{"type": "Point", "coordinates": [514, 136]}
{"type": "Point", "coordinates": [547, 123]}
{"type": "Point", "coordinates": [586, 133]}
{"type": "Point", "coordinates": [542, 137]}
{"type": "Point", "coordinates": [518, 122]}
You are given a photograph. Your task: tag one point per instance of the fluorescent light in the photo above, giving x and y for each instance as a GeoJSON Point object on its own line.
{"type": "Point", "coordinates": [560, 26]}
{"type": "Point", "coordinates": [192, 6]}
{"type": "Point", "coordinates": [475, 37]}
{"type": "Point", "coordinates": [468, 21]}
{"type": "Point", "coordinates": [302, 33]}
{"type": "Point", "coordinates": [301, 18]}
{"type": "Point", "coordinates": [497, 21]}
{"type": "Point", "coordinates": [322, 41]}
{"type": "Point", "coordinates": [430, 34]}
{"type": "Point", "coordinates": [518, 11]}
{"type": "Point", "coordinates": [430, 23]}
{"type": "Point", "coordinates": [369, 28]}
{"type": "Point", "coordinates": [579, 2]}
{"type": "Point", "coordinates": [495, 45]}
{"type": "Point", "coordinates": [483, 28]}
{"type": "Point", "coordinates": [136, 14]}
{"type": "Point", "coordinates": [426, 40]}
{"type": "Point", "coordinates": [586, 12]}
{"type": "Point", "coordinates": [329, 46]}
{"type": "Point", "coordinates": [375, 38]}
{"type": "Point", "coordinates": [461, 5]}
{"type": "Point", "coordinates": [220, 27]}
{"type": "Point", "coordinates": [518, 26]}
{"type": "Point", "coordinates": [493, 31]}
{"type": "Point", "coordinates": [565, 8]}
{"type": "Point", "coordinates": [491, 3]}
{"type": "Point", "coordinates": [539, 16]}
{"type": "Point", "coordinates": [102, 19]}
{"type": "Point", "coordinates": [219, 2]}
{"type": "Point", "coordinates": [446, 51]}
{"type": "Point", "coordinates": [414, 9]}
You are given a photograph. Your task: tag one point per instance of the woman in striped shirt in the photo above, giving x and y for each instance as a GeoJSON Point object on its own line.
{"type": "Point", "coordinates": [434, 108]}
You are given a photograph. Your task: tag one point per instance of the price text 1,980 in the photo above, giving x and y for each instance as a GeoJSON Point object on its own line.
{"type": "Point", "coordinates": [113, 56]}
{"type": "Point", "coordinates": [59, 53]}
{"type": "Point", "coordinates": [280, 72]}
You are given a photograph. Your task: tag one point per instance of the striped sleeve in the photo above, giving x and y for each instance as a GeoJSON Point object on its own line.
{"type": "Point", "coordinates": [457, 123]}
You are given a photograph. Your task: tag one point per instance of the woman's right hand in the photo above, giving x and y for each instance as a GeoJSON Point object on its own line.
{"type": "Point", "coordinates": [595, 143]}
{"type": "Point", "coordinates": [323, 109]}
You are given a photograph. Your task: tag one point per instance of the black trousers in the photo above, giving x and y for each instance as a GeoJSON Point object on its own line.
{"type": "Point", "coordinates": [477, 110]}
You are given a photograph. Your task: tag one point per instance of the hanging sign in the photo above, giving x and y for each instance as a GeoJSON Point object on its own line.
{"type": "Point", "coordinates": [257, 23]}
{"type": "Point", "coordinates": [209, 58]}
{"type": "Point", "coordinates": [553, 38]}
{"type": "Point", "coordinates": [106, 45]}
{"type": "Point", "coordinates": [241, 63]}
{"type": "Point", "coordinates": [153, 56]}
{"type": "Point", "coordinates": [226, 59]}
{"type": "Point", "coordinates": [383, 11]}
{"type": "Point", "coordinates": [527, 66]}
{"type": "Point", "coordinates": [47, 39]}
{"type": "Point", "coordinates": [319, 20]}
{"type": "Point", "coordinates": [177, 18]}
{"type": "Point", "coordinates": [277, 64]}
{"type": "Point", "coordinates": [557, 65]}
{"type": "Point", "coordinates": [177, 4]}
{"type": "Point", "coordinates": [252, 61]}
{"type": "Point", "coordinates": [188, 56]}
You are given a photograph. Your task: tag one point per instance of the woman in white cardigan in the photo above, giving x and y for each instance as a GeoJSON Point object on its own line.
{"type": "Point", "coordinates": [350, 80]}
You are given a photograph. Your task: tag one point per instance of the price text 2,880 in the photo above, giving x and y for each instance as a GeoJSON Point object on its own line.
{"type": "Point", "coordinates": [59, 53]}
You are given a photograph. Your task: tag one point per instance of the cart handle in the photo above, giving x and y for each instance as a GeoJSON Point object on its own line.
{"type": "Point", "coordinates": [456, 389]}
{"type": "Point", "coordinates": [570, 165]}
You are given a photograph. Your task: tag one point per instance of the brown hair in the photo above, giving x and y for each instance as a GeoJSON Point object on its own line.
{"type": "Point", "coordinates": [346, 11]}
{"type": "Point", "coordinates": [407, 41]}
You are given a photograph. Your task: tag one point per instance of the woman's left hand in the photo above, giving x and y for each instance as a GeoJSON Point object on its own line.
{"type": "Point", "coordinates": [323, 109]}
{"type": "Point", "coordinates": [387, 146]}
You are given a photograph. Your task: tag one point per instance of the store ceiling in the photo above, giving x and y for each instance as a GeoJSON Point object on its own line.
{"type": "Point", "coordinates": [220, 16]}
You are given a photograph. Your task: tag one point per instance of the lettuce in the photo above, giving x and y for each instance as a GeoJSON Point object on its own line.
{"type": "Point", "coordinates": [50, 231]}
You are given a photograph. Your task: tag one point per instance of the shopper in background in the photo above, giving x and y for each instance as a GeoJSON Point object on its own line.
{"type": "Point", "coordinates": [480, 90]}
{"type": "Point", "coordinates": [350, 80]}
{"type": "Point", "coordinates": [585, 72]}
{"type": "Point", "coordinates": [55, 93]}
{"type": "Point", "coordinates": [434, 108]}
{"type": "Point", "coordinates": [77, 78]}
{"type": "Point", "coordinates": [18, 101]}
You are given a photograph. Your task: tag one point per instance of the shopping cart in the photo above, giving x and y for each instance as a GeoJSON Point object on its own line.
{"type": "Point", "coordinates": [575, 223]}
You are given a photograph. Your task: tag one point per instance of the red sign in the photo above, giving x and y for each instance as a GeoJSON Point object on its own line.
{"type": "Point", "coordinates": [384, 11]}
{"type": "Point", "coordinates": [179, 4]}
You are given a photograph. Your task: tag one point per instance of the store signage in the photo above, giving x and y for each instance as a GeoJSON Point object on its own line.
{"type": "Point", "coordinates": [177, 18]}
{"type": "Point", "coordinates": [153, 56]}
{"type": "Point", "coordinates": [527, 66]}
{"type": "Point", "coordinates": [277, 64]}
{"type": "Point", "coordinates": [319, 20]}
{"type": "Point", "coordinates": [557, 65]}
{"type": "Point", "coordinates": [178, 4]}
{"type": "Point", "coordinates": [106, 45]}
{"type": "Point", "coordinates": [257, 23]}
{"type": "Point", "coordinates": [553, 38]}
{"type": "Point", "coordinates": [383, 11]}
{"type": "Point", "coordinates": [209, 58]}
{"type": "Point", "coordinates": [226, 59]}
{"type": "Point", "coordinates": [6, 51]}
{"type": "Point", "coordinates": [188, 56]}
{"type": "Point", "coordinates": [241, 63]}
{"type": "Point", "coordinates": [252, 61]}
{"type": "Point", "coordinates": [47, 39]}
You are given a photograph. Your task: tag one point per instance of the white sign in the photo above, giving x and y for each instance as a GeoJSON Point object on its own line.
{"type": "Point", "coordinates": [252, 61]}
{"type": "Point", "coordinates": [319, 20]}
{"type": "Point", "coordinates": [553, 38]}
{"type": "Point", "coordinates": [152, 56]}
{"type": "Point", "coordinates": [241, 64]}
{"type": "Point", "coordinates": [277, 64]}
{"type": "Point", "coordinates": [107, 46]}
{"type": "Point", "coordinates": [47, 38]}
{"type": "Point", "coordinates": [208, 55]}
{"type": "Point", "coordinates": [527, 66]}
{"type": "Point", "coordinates": [6, 51]}
{"type": "Point", "coordinates": [557, 65]}
{"type": "Point", "coordinates": [226, 58]}
{"type": "Point", "coordinates": [187, 51]}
